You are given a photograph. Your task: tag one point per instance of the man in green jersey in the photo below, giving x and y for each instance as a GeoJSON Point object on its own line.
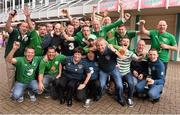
{"type": "Point", "coordinates": [19, 34]}
{"type": "Point", "coordinates": [161, 40]}
{"type": "Point", "coordinates": [50, 71]}
{"type": "Point", "coordinates": [102, 31]}
{"type": "Point", "coordinates": [36, 38]}
{"type": "Point", "coordinates": [25, 73]}
{"type": "Point", "coordinates": [122, 32]}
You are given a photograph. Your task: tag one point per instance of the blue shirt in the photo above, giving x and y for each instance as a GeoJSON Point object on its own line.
{"type": "Point", "coordinates": [75, 71]}
{"type": "Point", "coordinates": [107, 61]}
{"type": "Point", "coordinates": [93, 67]}
{"type": "Point", "coordinates": [156, 71]}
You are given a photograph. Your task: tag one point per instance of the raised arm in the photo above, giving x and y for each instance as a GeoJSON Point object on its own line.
{"type": "Point", "coordinates": [119, 53]}
{"type": "Point", "coordinates": [8, 27]}
{"type": "Point", "coordinates": [28, 19]}
{"type": "Point", "coordinates": [67, 37]}
{"type": "Point", "coordinates": [117, 23]}
{"type": "Point", "coordinates": [143, 30]}
{"type": "Point", "coordinates": [9, 57]}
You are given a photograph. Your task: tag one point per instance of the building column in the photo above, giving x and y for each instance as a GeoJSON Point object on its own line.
{"type": "Point", "coordinates": [33, 3]}
{"type": "Point", "coordinates": [22, 4]}
{"type": "Point", "coordinates": [13, 4]}
{"type": "Point", "coordinates": [177, 54]}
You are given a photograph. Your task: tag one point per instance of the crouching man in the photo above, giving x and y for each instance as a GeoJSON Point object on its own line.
{"type": "Point", "coordinates": [25, 73]}
{"type": "Point", "coordinates": [154, 82]}
{"type": "Point", "coordinates": [49, 71]}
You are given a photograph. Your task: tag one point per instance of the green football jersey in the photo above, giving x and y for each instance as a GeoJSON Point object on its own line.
{"type": "Point", "coordinates": [165, 38]}
{"type": "Point", "coordinates": [51, 67]}
{"type": "Point", "coordinates": [36, 43]}
{"type": "Point", "coordinates": [16, 36]}
{"type": "Point", "coordinates": [25, 71]}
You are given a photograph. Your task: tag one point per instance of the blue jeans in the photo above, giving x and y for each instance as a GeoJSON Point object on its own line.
{"type": "Point", "coordinates": [129, 78]}
{"type": "Point", "coordinates": [117, 79]}
{"type": "Point", "coordinates": [48, 82]}
{"type": "Point", "coordinates": [19, 88]}
{"type": "Point", "coordinates": [154, 92]}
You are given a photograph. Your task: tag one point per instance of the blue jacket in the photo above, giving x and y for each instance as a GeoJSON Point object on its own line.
{"type": "Point", "coordinates": [157, 70]}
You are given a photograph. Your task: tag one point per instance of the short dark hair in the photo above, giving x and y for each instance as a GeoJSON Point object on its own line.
{"type": "Point", "coordinates": [85, 26]}
{"type": "Point", "coordinates": [49, 48]}
{"type": "Point", "coordinates": [153, 49]}
{"type": "Point", "coordinates": [41, 25]}
{"type": "Point", "coordinates": [78, 50]}
{"type": "Point", "coordinates": [28, 48]}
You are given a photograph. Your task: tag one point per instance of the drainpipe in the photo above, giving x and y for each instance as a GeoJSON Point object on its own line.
{"type": "Point", "coordinates": [22, 4]}
{"type": "Point", "coordinates": [139, 5]}
{"type": "Point", "coordinates": [13, 4]}
{"type": "Point", "coordinates": [167, 4]}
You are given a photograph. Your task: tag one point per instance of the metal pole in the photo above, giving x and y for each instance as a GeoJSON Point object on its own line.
{"type": "Point", "coordinates": [22, 4]}
{"type": "Point", "coordinates": [19, 4]}
{"type": "Point", "coordinates": [33, 3]}
{"type": "Point", "coordinates": [5, 6]}
{"type": "Point", "coordinates": [13, 4]}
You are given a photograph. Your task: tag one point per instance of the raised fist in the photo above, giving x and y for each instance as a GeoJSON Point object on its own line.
{"type": "Point", "coordinates": [127, 16]}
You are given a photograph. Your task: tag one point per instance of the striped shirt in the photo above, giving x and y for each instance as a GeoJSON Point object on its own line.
{"type": "Point", "coordinates": [124, 64]}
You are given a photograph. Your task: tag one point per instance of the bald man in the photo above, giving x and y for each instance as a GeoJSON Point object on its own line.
{"type": "Point", "coordinates": [161, 40]}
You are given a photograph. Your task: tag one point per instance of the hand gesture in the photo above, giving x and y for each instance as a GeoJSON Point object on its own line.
{"type": "Point", "coordinates": [81, 86]}
{"type": "Point", "coordinates": [135, 73]}
{"type": "Point", "coordinates": [149, 81]}
{"type": "Point", "coordinates": [141, 22]}
{"type": "Point", "coordinates": [16, 45]}
{"type": "Point", "coordinates": [140, 77]}
{"type": "Point", "coordinates": [164, 46]}
{"type": "Point", "coordinates": [105, 13]}
{"type": "Point", "coordinates": [65, 12]}
{"type": "Point", "coordinates": [26, 11]}
{"type": "Point", "coordinates": [13, 13]}
{"type": "Point", "coordinates": [58, 76]}
{"type": "Point", "coordinates": [121, 10]}
{"type": "Point", "coordinates": [41, 87]}
{"type": "Point", "coordinates": [127, 16]}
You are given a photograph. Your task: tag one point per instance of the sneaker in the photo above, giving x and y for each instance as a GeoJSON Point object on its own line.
{"type": "Point", "coordinates": [155, 100]}
{"type": "Point", "coordinates": [122, 102]}
{"type": "Point", "coordinates": [21, 99]}
{"type": "Point", "coordinates": [130, 102]}
{"type": "Point", "coordinates": [46, 95]}
{"type": "Point", "coordinates": [87, 103]}
{"type": "Point", "coordinates": [32, 97]}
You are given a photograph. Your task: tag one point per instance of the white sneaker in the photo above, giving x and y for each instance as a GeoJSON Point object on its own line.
{"type": "Point", "coordinates": [130, 102]}
{"type": "Point", "coordinates": [32, 97]}
{"type": "Point", "coordinates": [21, 99]}
{"type": "Point", "coordinates": [87, 103]}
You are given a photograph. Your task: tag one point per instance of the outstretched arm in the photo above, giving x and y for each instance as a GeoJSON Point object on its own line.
{"type": "Point", "coordinates": [9, 57]}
